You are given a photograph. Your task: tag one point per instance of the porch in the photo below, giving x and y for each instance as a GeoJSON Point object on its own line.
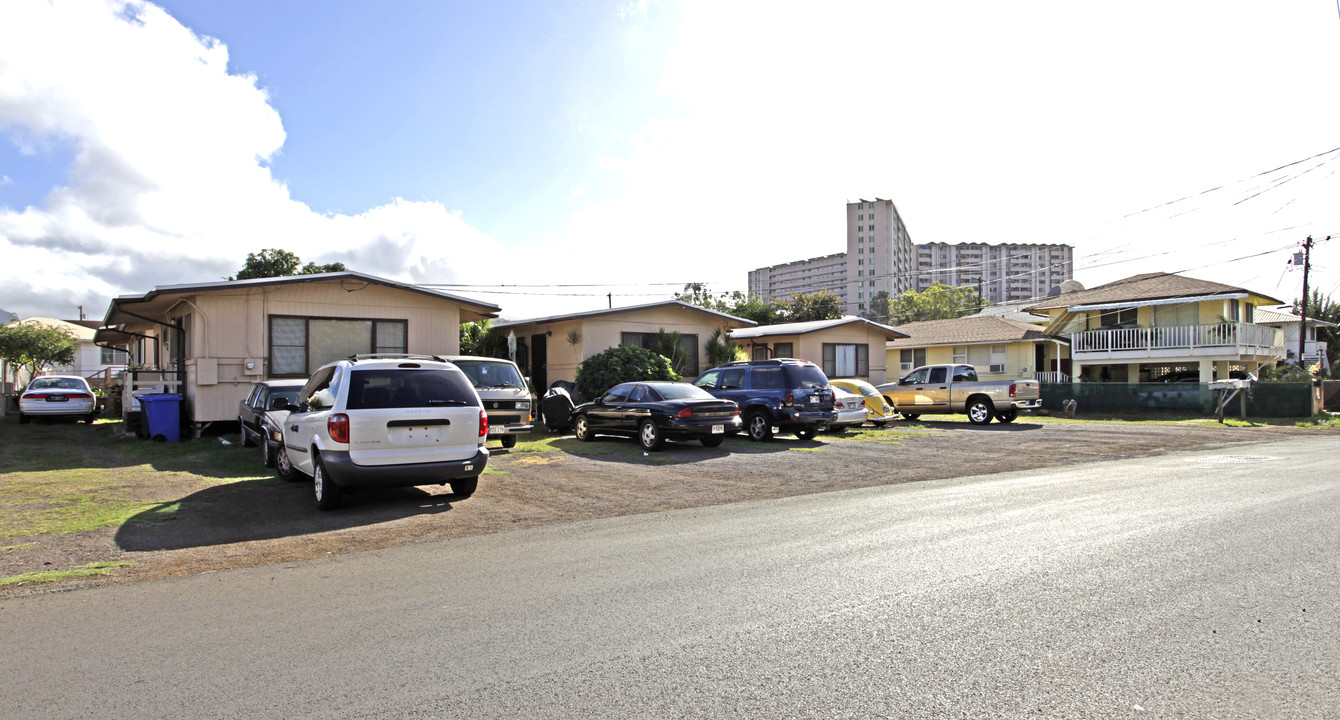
{"type": "Point", "coordinates": [1136, 343]}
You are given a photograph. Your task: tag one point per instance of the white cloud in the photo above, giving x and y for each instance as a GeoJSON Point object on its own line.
{"type": "Point", "coordinates": [170, 181]}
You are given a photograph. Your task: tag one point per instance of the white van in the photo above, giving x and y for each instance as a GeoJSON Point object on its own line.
{"type": "Point", "coordinates": [503, 392]}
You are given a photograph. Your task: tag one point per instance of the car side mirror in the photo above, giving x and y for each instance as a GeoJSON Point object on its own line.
{"type": "Point", "coordinates": [599, 400]}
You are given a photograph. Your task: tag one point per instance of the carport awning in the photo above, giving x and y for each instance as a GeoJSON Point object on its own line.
{"type": "Point", "coordinates": [1163, 301]}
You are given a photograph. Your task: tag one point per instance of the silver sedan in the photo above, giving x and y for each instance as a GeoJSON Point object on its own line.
{"type": "Point", "coordinates": [65, 395]}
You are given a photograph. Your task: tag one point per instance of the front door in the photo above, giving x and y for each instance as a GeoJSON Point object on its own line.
{"type": "Point", "coordinates": [539, 359]}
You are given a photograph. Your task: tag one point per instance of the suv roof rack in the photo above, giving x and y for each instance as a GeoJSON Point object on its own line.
{"type": "Point", "coordinates": [773, 361]}
{"type": "Point", "coordinates": [394, 356]}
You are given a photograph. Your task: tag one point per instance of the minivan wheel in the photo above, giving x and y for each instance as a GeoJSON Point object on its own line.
{"type": "Point", "coordinates": [760, 428]}
{"type": "Point", "coordinates": [283, 467]}
{"type": "Point", "coordinates": [465, 487]}
{"type": "Point", "coordinates": [980, 412]}
{"type": "Point", "coordinates": [650, 435]}
{"type": "Point", "coordinates": [328, 494]}
{"type": "Point", "coordinates": [509, 441]}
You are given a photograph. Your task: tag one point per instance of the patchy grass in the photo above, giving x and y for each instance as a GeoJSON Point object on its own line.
{"type": "Point", "coordinates": [67, 478]}
{"type": "Point", "coordinates": [20, 546]}
{"type": "Point", "coordinates": [99, 568]}
{"type": "Point", "coordinates": [814, 450]}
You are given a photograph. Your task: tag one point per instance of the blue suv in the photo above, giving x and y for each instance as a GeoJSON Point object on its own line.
{"type": "Point", "coordinates": [792, 396]}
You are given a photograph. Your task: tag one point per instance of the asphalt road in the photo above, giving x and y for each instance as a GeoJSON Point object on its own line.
{"type": "Point", "coordinates": [1190, 585]}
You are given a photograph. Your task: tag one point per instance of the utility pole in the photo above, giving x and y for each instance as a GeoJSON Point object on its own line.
{"type": "Point", "coordinates": [1302, 311]}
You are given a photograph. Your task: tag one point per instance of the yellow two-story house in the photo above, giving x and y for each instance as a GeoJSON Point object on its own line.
{"type": "Point", "coordinates": [1161, 326]}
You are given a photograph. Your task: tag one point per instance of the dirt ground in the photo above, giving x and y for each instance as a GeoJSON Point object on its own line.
{"type": "Point", "coordinates": [267, 521]}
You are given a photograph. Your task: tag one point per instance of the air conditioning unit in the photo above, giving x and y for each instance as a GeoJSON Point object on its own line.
{"type": "Point", "coordinates": [997, 368]}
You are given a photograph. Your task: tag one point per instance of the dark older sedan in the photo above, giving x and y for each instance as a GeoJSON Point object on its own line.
{"type": "Point", "coordinates": [261, 415]}
{"type": "Point", "coordinates": [653, 412]}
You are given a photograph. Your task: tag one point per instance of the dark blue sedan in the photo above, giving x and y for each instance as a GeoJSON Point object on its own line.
{"type": "Point", "coordinates": [653, 412]}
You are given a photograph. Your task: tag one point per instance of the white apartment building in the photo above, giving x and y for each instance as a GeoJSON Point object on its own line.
{"type": "Point", "coordinates": [821, 274]}
{"type": "Point", "coordinates": [1002, 273]}
{"type": "Point", "coordinates": [880, 256]}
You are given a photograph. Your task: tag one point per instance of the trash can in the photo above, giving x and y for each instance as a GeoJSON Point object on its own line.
{"type": "Point", "coordinates": [162, 415]}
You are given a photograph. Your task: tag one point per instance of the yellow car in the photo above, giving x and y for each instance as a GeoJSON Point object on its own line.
{"type": "Point", "coordinates": [881, 411]}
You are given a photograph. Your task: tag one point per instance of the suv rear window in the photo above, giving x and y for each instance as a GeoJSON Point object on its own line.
{"type": "Point", "coordinates": [399, 388]}
{"type": "Point", "coordinates": [808, 377]}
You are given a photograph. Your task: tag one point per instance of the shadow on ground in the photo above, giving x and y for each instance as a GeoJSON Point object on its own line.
{"type": "Point", "coordinates": [267, 509]}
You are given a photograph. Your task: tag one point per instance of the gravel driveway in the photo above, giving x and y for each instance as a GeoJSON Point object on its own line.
{"type": "Point", "coordinates": [223, 527]}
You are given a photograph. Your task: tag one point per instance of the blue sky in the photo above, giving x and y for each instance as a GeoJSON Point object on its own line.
{"type": "Point", "coordinates": [631, 143]}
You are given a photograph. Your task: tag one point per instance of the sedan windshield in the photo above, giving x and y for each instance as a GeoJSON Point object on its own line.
{"type": "Point", "coordinates": [56, 383]}
{"type": "Point", "coordinates": [682, 391]}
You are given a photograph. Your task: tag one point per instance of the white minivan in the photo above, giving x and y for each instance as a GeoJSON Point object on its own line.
{"type": "Point", "coordinates": [385, 421]}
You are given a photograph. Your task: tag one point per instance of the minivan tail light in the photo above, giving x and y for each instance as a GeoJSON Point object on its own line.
{"type": "Point", "coordinates": [337, 426]}
{"type": "Point", "coordinates": [1012, 390]}
{"type": "Point", "coordinates": [483, 423]}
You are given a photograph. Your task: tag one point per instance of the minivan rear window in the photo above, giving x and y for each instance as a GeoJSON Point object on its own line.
{"type": "Point", "coordinates": [808, 377]}
{"type": "Point", "coordinates": [397, 388]}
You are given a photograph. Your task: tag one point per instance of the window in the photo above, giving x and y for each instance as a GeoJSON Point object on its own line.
{"type": "Point", "coordinates": [618, 394]}
{"type": "Point", "coordinates": [909, 359]}
{"type": "Point", "coordinates": [768, 378]}
{"type": "Point", "coordinates": [299, 345]}
{"type": "Point", "coordinates": [113, 356]}
{"type": "Point", "coordinates": [709, 379]}
{"type": "Point", "coordinates": [960, 355]}
{"type": "Point", "coordinates": [732, 379]}
{"type": "Point", "coordinates": [1234, 310]}
{"type": "Point", "coordinates": [686, 360]}
{"type": "Point", "coordinates": [1120, 317]}
{"type": "Point", "coordinates": [937, 375]}
{"type": "Point", "coordinates": [846, 360]}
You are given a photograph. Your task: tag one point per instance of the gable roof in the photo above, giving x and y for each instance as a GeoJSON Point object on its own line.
{"type": "Point", "coordinates": [1012, 310]}
{"type": "Point", "coordinates": [627, 308]}
{"type": "Point", "coordinates": [971, 330]}
{"type": "Point", "coordinates": [1146, 287]}
{"type": "Point", "coordinates": [800, 328]}
{"type": "Point", "coordinates": [76, 330]}
{"type": "Point", "coordinates": [166, 294]}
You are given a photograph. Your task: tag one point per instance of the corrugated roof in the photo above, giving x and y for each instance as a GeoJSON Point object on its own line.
{"type": "Point", "coordinates": [1149, 286]}
{"type": "Point", "coordinates": [800, 328]}
{"type": "Point", "coordinates": [972, 330]}
{"type": "Point", "coordinates": [627, 308]}
{"type": "Point", "coordinates": [1282, 317]}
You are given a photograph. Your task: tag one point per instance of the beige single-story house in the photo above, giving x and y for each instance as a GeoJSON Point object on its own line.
{"type": "Point", "coordinates": [550, 348]}
{"type": "Point", "coordinates": [95, 364]}
{"type": "Point", "coordinates": [998, 347]}
{"type": "Point", "coordinates": [848, 347]}
{"type": "Point", "coordinates": [211, 341]}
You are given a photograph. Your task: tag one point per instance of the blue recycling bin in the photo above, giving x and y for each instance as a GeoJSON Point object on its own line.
{"type": "Point", "coordinates": [162, 413]}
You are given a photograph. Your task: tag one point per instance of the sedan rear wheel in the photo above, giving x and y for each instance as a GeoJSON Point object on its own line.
{"type": "Point", "coordinates": [24, 419]}
{"type": "Point", "coordinates": [650, 435]}
{"type": "Point", "coordinates": [246, 436]}
{"type": "Point", "coordinates": [711, 440]}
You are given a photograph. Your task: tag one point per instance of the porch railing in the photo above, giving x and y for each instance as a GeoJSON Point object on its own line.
{"type": "Point", "coordinates": [1051, 376]}
{"type": "Point", "coordinates": [1240, 335]}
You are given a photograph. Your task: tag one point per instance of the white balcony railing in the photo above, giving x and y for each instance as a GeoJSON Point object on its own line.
{"type": "Point", "coordinates": [1243, 336]}
{"type": "Point", "coordinates": [1051, 376]}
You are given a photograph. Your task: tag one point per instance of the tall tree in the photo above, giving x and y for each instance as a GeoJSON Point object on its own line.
{"type": "Point", "coordinates": [274, 262]}
{"type": "Point", "coordinates": [812, 306]}
{"type": "Point", "coordinates": [1320, 307]}
{"type": "Point", "coordinates": [939, 302]}
{"type": "Point", "coordinates": [878, 307]}
{"type": "Point", "coordinates": [35, 347]}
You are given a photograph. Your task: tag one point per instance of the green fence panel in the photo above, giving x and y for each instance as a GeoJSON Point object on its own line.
{"type": "Point", "coordinates": [1263, 399]}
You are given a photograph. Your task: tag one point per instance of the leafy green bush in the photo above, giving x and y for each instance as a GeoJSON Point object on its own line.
{"type": "Point", "coordinates": [624, 363]}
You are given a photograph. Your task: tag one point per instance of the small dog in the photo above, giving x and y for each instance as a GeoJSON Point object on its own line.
{"type": "Point", "coordinates": [1070, 407]}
